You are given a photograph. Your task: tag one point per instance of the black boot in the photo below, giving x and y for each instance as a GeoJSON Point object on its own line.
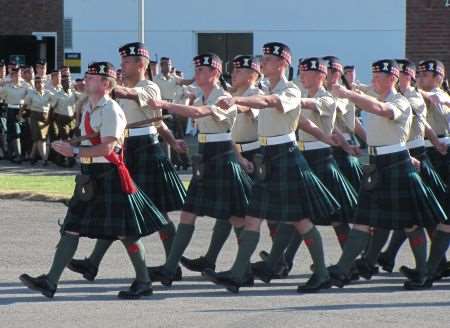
{"type": "Point", "coordinates": [199, 264]}
{"type": "Point", "coordinates": [282, 269]}
{"type": "Point", "coordinates": [314, 284]}
{"type": "Point", "coordinates": [337, 277]}
{"type": "Point", "coordinates": [249, 281]}
{"type": "Point", "coordinates": [365, 270]}
{"type": "Point", "coordinates": [262, 272]}
{"type": "Point", "coordinates": [40, 284]}
{"type": "Point", "coordinates": [162, 275]}
{"type": "Point", "coordinates": [85, 267]}
{"type": "Point", "coordinates": [136, 291]}
{"type": "Point", "coordinates": [418, 282]}
{"type": "Point", "coordinates": [223, 280]}
{"type": "Point", "coordinates": [386, 262]}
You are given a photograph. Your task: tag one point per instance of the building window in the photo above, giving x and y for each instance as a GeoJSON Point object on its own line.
{"type": "Point", "coordinates": [68, 33]}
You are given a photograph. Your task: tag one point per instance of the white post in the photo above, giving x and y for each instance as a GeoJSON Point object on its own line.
{"type": "Point", "coordinates": [141, 23]}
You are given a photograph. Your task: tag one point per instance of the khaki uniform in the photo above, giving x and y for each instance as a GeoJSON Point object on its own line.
{"type": "Point", "coordinates": [324, 117]}
{"type": "Point", "coordinates": [39, 105]}
{"type": "Point", "coordinates": [107, 118]}
{"type": "Point", "coordinates": [382, 131]}
{"type": "Point", "coordinates": [63, 113]}
{"type": "Point", "coordinates": [272, 122]}
{"type": "Point", "coordinates": [419, 110]}
{"type": "Point", "coordinates": [245, 128]}
{"type": "Point", "coordinates": [221, 121]}
{"type": "Point", "coordinates": [345, 115]}
{"type": "Point", "coordinates": [13, 94]}
{"type": "Point", "coordinates": [136, 112]}
{"type": "Point", "coordinates": [168, 85]}
{"type": "Point", "coordinates": [438, 116]}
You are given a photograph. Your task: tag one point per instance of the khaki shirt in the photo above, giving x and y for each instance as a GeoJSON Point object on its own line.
{"type": "Point", "coordinates": [272, 122]}
{"type": "Point", "coordinates": [324, 117]}
{"type": "Point", "coordinates": [107, 118]}
{"type": "Point", "coordinates": [140, 111]}
{"type": "Point", "coordinates": [438, 116]}
{"type": "Point", "coordinates": [167, 85]}
{"type": "Point", "coordinates": [382, 131]}
{"type": "Point", "coordinates": [419, 111]}
{"type": "Point", "coordinates": [345, 115]}
{"type": "Point", "coordinates": [245, 128]}
{"type": "Point", "coordinates": [54, 89]}
{"type": "Point", "coordinates": [221, 121]}
{"type": "Point", "coordinates": [39, 102]}
{"type": "Point", "coordinates": [65, 103]}
{"type": "Point", "coordinates": [13, 94]}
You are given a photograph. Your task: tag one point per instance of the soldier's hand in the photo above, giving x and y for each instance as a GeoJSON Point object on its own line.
{"type": "Point", "coordinates": [225, 102]}
{"type": "Point", "coordinates": [339, 91]}
{"type": "Point", "coordinates": [246, 164]}
{"type": "Point", "coordinates": [441, 147]}
{"type": "Point", "coordinates": [155, 103]}
{"type": "Point", "coordinates": [62, 147]}
{"type": "Point", "coordinates": [180, 146]}
{"type": "Point", "coordinates": [416, 163]}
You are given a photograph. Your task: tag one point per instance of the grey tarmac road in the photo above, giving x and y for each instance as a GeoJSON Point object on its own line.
{"type": "Point", "coordinates": [29, 233]}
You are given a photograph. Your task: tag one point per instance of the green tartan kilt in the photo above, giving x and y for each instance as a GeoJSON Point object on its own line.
{"type": "Point", "coordinates": [401, 199]}
{"type": "Point", "coordinates": [441, 165]}
{"type": "Point", "coordinates": [322, 163]}
{"type": "Point", "coordinates": [349, 166]}
{"type": "Point", "coordinates": [291, 191]}
{"type": "Point", "coordinates": [111, 213]}
{"type": "Point", "coordinates": [248, 155]}
{"type": "Point", "coordinates": [225, 188]}
{"type": "Point", "coordinates": [153, 173]}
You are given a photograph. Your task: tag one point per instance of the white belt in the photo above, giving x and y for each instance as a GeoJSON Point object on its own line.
{"type": "Point", "coordinates": [383, 150]}
{"type": "Point", "coordinates": [248, 146]}
{"type": "Point", "coordinates": [92, 160]}
{"type": "Point", "coordinates": [415, 143]}
{"type": "Point", "coordinates": [213, 137]}
{"type": "Point", "coordinates": [14, 106]}
{"type": "Point", "coordinates": [445, 140]}
{"type": "Point", "coordinates": [312, 145]}
{"type": "Point", "coordinates": [278, 140]}
{"type": "Point", "coordinates": [142, 131]}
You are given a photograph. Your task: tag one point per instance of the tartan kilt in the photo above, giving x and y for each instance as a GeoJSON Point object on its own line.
{"type": "Point", "coordinates": [153, 173]}
{"type": "Point", "coordinates": [111, 213]}
{"type": "Point", "coordinates": [291, 192]}
{"type": "Point", "coordinates": [38, 126]}
{"type": "Point", "coordinates": [441, 168]}
{"type": "Point", "coordinates": [349, 166]}
{"type": "Point", "coordinates": [401, 199]}
{"type": "Point", "coordinates": [63, 126]}
{"type": "Point", "coordinates": [322, 163]}
{"type": "Point", "coordinates": [248, 155]}
{"type": "Point", "coordinates": [225, 188]}
{"type": "Point", "coordinates": [12, 124]}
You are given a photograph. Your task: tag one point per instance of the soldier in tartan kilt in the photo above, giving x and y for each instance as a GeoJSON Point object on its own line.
{"type": "Point", "coordinates": [392, 196]}
{"type": "Point", "coordinates": [219, 188]}
{"type": "Point", "coordinates": [286, 189]}
{"type": "Point", "coordinates": [245, 74]}
{"type": "Point", "coordinates": [116, 209]}
{"type": "Point", "coordinates": [416, 145]}
{"type": "Point", "coordinates": [431, 76]}
{"type": "Point", "coordinates": [149, 166]}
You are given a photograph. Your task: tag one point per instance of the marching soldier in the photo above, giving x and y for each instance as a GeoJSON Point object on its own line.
{"type": "Point", "coordinates": [392, 194]}
{"type": "Point", "coordinates": [147, 163]}
{"type": "Point", "coordinates": [219, 187]}
{"type": "Point", "coordinates": [14, 94]}
{"type": "Point", "coordinates": [245, 74]}
{"type": "Point", "coordinates": [3, 112]}
{"type": "Point", "coordinates": [118, 208]}
{"type": "Point", "coordinates": [38, 102]}
{"type": "Point", "coordinates": [283, 177]}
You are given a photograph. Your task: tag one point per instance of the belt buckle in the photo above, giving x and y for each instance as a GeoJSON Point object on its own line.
{"type": "Point", "coordinates": [202, 138]}
{"type": "Point", "coordinates": [86, 160]}
{"type": "Point", "coordinates": [263, 141]}
{"type": "Point", "coordinates": [301, 145]}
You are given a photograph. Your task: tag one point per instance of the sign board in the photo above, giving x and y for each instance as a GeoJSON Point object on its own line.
{"type": "Point", "coordinates": [73, 60]}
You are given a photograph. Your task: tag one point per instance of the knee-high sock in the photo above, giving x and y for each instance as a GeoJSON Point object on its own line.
{"type": "Point", "coordinates": [291, 250]}
{"type": "Point", "coordinates": [439, 245]}
{"type": "Point", "coordinates": [167, 234]}
{"type": "Point", "coordinates": [180, 242]}
{"type": "Point", "coordinates": [280, 243]}
{"type": "Point", "coordinates": [248, 240]}
{"type": "Point", "coordinates": [313, 241]}
{"type": "Point", "coordinates": [65, 251]}
{"type": "Point", "coordinates": [221, 232]}
{"type": "Point", "coordinates": [136, 252]}
{"type": "Point", "coordinates": [356, 243]}
{"type": "Point", "coordinates": [418, 243]}
{"type": "Point", "coordinates": [376, 244]}
{"type": "Point", "coordinates": [342, 230]}
{"type": "Point", "coordinates": [99, 251]}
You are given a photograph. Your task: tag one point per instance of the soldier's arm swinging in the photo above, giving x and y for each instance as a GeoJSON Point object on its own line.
{"type": "Point", "coordinates": [311, 128]}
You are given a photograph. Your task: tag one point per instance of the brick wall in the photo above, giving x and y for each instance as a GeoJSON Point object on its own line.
{"type": "Point", "coordinates": [23, 17]}
{"type": "Point", "coordinates": [428, 30]}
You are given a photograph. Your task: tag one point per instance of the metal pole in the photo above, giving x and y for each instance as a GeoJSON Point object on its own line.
{"type": "Point", "coordinates": [141, 22]}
